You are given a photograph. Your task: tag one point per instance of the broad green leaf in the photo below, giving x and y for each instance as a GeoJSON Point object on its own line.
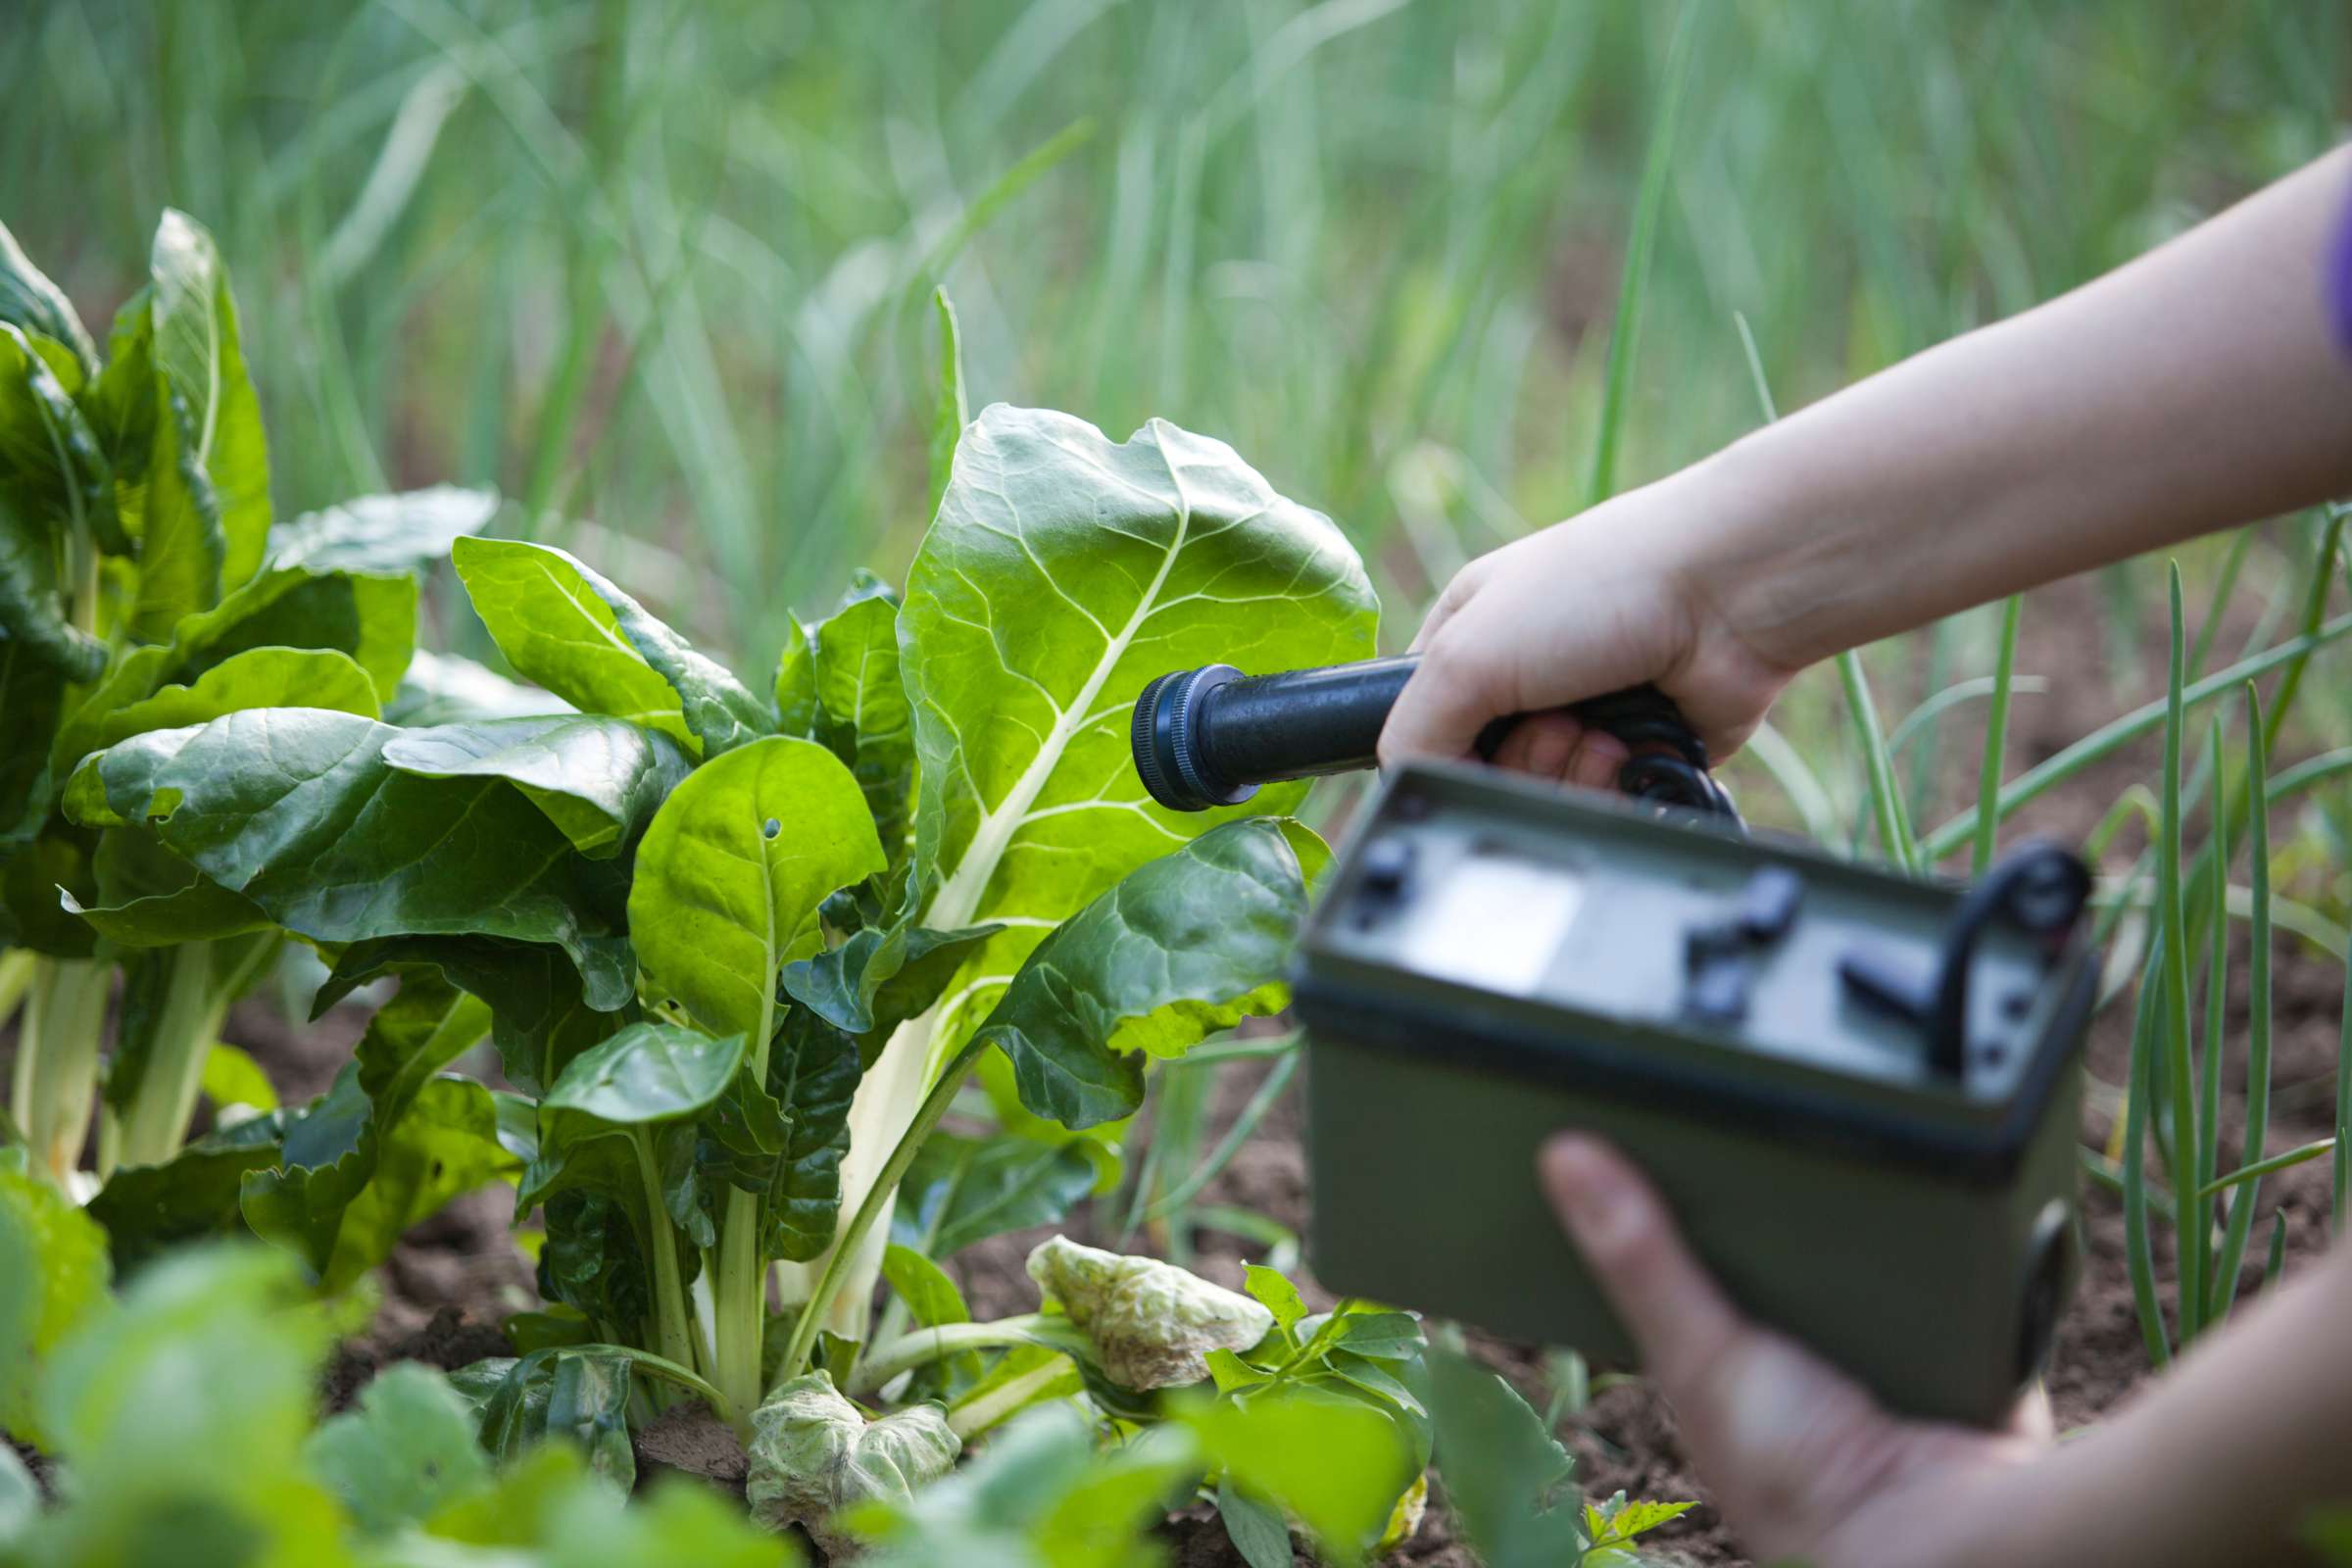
{"type": "Point", "coordinates": [1061, 573]}
{"type": "Point", "coordinates": [32, 911]}
{"type": "Point", "coordinates": [258, 678]}
{"type": "Point", "coordinates": [965, 1189]}
{"type": "Point", "coordinates": [297, 809]}
{"type": "Point", "coordinates": [183, 551]}
{"type": "Point", "coordinates": [882, 975]}
{"type": "Point", "coordinates": [408, 533]}
{"type": "Point", "coordinates": [539, 1015]}
{"type": "Point", "coordinates": [1257, 1527]}
{"type": "Point", "coordinates": [49, 459]}
{"type": "Point", "coordinates": [389, 1138]}
{"type": "Point", "coordinates": [931, 1297]}
{"type": "Point", "coordinates": [566, 627]}
{"type": "Point", "coordinates": [30, 299]}
{"type": "Point", "coordinates": [730, 877]}
{"type": "Point", "coordinates": [648, 1072]}
{"type": "Point", "coordinates": [151, 1211]}
{"type": "Point", "coordinates": [952, 413]}
{"type": "Point", "coordinates": [1278, 1294]}
{"type": "Point", "coordinates": [580, 1393]}
{"type": "Point", "coordinates": [1336, 1464]}
{"type": "Point", "coordinates": [600, 779]}
{"type": "Point", "coordinates": [1190, 944]}
{"type": "Point", "coordinates": [183, 1414]}
{"type": "Point", "coordinates": [203, 371]}
{"type": "Point", "coordinates": [121, 404]}
{"type": "Point", "coordinates": [1150, 1324]}
{"type": "Point", "coordinates": [593, 1259]}
{"type": "Point", "coordinates": [53, 1280]}
{"type": "Point", "coordinates": [370, 616]}
{"type": "Point", "coordinates": [232, 1079]}
{"type": "Point", "coordinates": [34, 617]}
{"type": "Point", "coordinates": [813, 1075]}
{"type": "Point", "coordinates": [33, 693]}
{"type": "Point", "coordinates": [1506, 1476]}
{"type": "Point", "coordinates": [814, 1455]}
{"type": "Point", "coordinates": [405, 1451]}
{"type": "Point", "coordinates": [845, 692]}
{"type": "Point", "coordinates": [445, 689]}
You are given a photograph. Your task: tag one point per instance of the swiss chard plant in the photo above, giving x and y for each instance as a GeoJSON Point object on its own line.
{"type": "Point", "coordinates": [743, 944]}
{"type": "Point", "coordinates": [146, 586]}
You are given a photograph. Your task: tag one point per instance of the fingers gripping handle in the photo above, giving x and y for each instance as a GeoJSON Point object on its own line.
{"type": "Point", "coordinates": [1210, 736]}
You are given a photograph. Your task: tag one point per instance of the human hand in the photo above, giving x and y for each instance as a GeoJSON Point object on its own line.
{"type": "Point", "coordinates": [1801, 1460]}
{"type": "Point", "coordinates": [1609, 599]}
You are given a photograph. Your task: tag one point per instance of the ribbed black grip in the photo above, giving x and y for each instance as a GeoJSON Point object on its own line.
{"type": "Point", "coordinates": [1210, 736]}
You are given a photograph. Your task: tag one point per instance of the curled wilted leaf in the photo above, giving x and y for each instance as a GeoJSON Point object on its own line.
{"type": "Point", "coordinates": [1151, 1324]}
{"type": "Point", "coordinates": [814, 1453]}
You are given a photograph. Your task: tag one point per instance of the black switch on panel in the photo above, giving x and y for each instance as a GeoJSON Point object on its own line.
{"type": "Point", "coordinates": [1768, 903]}
{"type": "Point", "coordinates": [1388, 863]}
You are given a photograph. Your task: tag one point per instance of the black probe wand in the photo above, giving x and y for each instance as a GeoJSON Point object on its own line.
{"type": "Point", "coordinates": [1210, 736]}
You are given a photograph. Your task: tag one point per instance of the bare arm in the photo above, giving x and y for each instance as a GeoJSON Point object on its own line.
{"type": "Point", "coordinates": [2198, 387]}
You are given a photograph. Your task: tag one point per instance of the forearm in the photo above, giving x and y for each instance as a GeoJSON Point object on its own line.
{"type": "Point", "coordinates": [2195, 388]}
{"type": "Point", "coordinates": [2222, 1461]}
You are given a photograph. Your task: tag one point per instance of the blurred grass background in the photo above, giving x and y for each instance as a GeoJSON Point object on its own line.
{"type": "Point", "coordinates": [659, 269]}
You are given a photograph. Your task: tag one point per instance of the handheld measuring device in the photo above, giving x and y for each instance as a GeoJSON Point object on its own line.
{"type": "Point", "coordinates": [1856, 1089]}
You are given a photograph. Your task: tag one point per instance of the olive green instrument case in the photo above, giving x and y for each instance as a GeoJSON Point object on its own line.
{"type": "Point", "coordinates": [1492, 960]}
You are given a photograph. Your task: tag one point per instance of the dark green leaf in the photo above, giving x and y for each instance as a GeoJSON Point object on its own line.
{"type": "Point", "coordinates": [34, 617]}
{"type": "Point", "coordinates": [408, 1448]}
{"type": "Point", "coordinates": [296, 810]}
{"type": "Point", "coordinates": [1256, 1528]}
{"type": "Point", "coordinates": [1506, 1476]}
{"type": "Point", "coordinates": [183, 549]}
{"type": "Point", "coordinates": [844, 692]}
{"type": "Point", "coordinates": [49, 459]}
{"type": "Point", "coordinates": [540, 1017]}
{"type": "Point", "coordinates": [1189, 944]}
{"type": "Point", "coordinates": [370, 617]}
{"type": "Point", "coordinates": [203, 371]}
{"type": "Point", "coordinates": [598, 779]}
{"type": "Point", "coordinates": [408, 533]}
{"type": "Point", "coordinates": [122, 406]}
{"type": "Point", "coordinates": [963, 1190]}
{"type": "Point", "coordinates": [149, 1211]}
{"type": "Point", "coordinates": [28, 299]}
{"type": "Point", "coordinates": [575, 633]}
{"type": "Point", "coordinates": [881, 976]}
{"type": "Point", "coordinates": [33, 693]}
{"type": "Point", "coordinates": [579, 1394]}
{"type": "Point", "coordinates": [258, 678]}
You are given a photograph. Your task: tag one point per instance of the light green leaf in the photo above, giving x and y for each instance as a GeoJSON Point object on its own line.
{"type": "Point", "coordinates": [856, 704]}
{"type": "Point", "coordinates": [405, 1451]}
{"type": "Point", "coordinates": [1336, 1464]}
{"type": "Point", "coordinates": [121, 404]}
{"type": "Point", "coordinates": [258, 678]}
{"type": "Point", "coordinates": [1278, 1294]}
{"type": "Point", "coordinates": [931, 1297]}
{"type": "Point", "coordinates": [370, 616]}
{"type": "Point", "coordinates": [234, 1079]}
{"type": "Point", "coordinates": [730, 877]}
{"type": "Point", "coordinates": [30, 299]}
{"type": "Point", "coordinates": [814, 1455]}
{"type": "Point", "coordinates": [203, 371]}
{"type": "Point", "coordinates": [408, 533]}
{"type": "Point", "coordinates": [951, 414]}
{"type": "Point", "coordinates": [1151, 1324]}
{"type": "Point", "coordinates": [1190, 944]}
{"type": "Point", "coordinates": [575, 1392]}
{"type": "Point", "coordinates": [446, 689]}
{"type": "Point", "coordinates": [648, 1072]}
{"type": "Point", "coordinates": [1061, 573]}
{"type": "Point", "coordinates": [53, 1280]}
{"type": "Point", "coordinates": [297, 809]}
{"type": "Point", "coordinates": [598, 779]}
{"type": "Point", "coordinates": [566, 627]}
{"type": "Point", "coordinates": [882, 975]}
